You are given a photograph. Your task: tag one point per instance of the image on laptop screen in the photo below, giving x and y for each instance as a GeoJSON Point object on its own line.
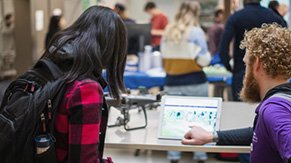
{"type": "Point", "coordinates": [180, 112]}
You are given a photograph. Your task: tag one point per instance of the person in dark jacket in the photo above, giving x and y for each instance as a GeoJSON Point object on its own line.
{"type": "Point", "coordinates": [266, 81]}
{"type": "Point", "coordinates": [253, 15]}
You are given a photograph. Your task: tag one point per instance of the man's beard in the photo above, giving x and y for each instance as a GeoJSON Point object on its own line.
{"type": "Point", "coordinates": [250, 92]}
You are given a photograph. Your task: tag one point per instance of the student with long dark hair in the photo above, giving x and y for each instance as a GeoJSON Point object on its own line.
{"type": "Point", "coordinates": [96, 41]}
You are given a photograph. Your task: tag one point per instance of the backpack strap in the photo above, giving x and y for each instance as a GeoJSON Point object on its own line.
{"type": "Point", "coordinates": [51, 66]}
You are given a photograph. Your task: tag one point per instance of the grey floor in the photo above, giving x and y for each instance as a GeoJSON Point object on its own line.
{"type": "Point", "coordinates": [145, 156]}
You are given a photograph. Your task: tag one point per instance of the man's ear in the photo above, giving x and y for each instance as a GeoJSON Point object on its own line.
{"type": "Point", "coordinates": [257, 64]}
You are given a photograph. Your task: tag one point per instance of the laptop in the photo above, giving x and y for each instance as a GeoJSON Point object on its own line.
{"type": "Point", "coordinates": [179, 112]}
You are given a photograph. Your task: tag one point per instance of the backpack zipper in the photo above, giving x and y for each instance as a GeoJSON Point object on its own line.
{"type": "Point", "coordinates": [49, 106]}
{"type": "Point", "coordinates": [42, 118]}
{"type": "Point", "coordinates": [49, 103]}
{"type": "Point", "coordinates": [32, 86]}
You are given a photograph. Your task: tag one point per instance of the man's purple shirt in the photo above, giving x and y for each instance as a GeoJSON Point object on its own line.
{"type": "Point", "coordinates": [272, 131]}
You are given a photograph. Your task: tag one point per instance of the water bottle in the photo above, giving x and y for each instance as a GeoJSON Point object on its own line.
{"type": "Point", "coordinates": [145, 59]}
{"type": "Point", "coordinates": [140, 61]}
{"type": "Point", "coordinates": [42, 143]}
{"type": "Point", "coordinates": [157, 60]}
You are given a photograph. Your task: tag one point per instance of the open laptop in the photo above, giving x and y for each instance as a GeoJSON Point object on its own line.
{"type": "Point", "coordinates": [179, 112]}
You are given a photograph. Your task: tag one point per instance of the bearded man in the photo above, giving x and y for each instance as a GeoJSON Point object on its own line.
{"type": "Point", "coordinates": [268, 70]}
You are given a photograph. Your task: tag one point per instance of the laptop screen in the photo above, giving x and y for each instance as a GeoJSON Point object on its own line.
{"type": "Point", "coordinates": [180, 112]}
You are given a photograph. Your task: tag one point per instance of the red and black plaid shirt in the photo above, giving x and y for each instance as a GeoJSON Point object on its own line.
{"type": "Point", "coordinates": [78, 125]}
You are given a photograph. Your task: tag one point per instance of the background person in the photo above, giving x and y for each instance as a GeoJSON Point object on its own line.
{"type": "Point", "coordinates": [8, 51]}
{"type": "Point", "coordinates": [266, 81]}
{"type": "Point", "coordinates": [159, 22]}
{"type": "Point", "coordinates": [184, 52]}
{"type": "Point", "coordinates": [215, 32]}
{"type": "Point", "coordinates": [8, 33]}
{"type": "Point", "coordinates": [121, 10]}
{"type": "Point", "coordinates": [253, 15]}
{"type": "Point", "coordinates": [234, 6]}
{"type": "Point", "coordinates": [275, 7]}
{"type": "Point", "coordinates": [283, 9]}
{"type": "Point", "coordinates": [96, 41]}
{"type": "Point", "coordinates": [57, 23]}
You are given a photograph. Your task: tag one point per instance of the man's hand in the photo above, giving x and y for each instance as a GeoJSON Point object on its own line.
{"type": "Point", "coordinates": [197, 136]}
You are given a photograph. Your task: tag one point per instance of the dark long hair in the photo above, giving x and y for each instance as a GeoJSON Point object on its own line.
{"type": "Point", "coordinates": [98, 41]}
{"type": "Point", "coordinates": [54, 23]}
{"type": "Point", "coordinates": [54, 27]}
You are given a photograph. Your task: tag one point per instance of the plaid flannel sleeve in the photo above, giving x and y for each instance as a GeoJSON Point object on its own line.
{"type": "Point", "coordinates": [85, 104]}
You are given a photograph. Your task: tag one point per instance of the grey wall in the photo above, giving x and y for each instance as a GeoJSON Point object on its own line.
{"type": "Point", "coordinates": [8, 6]}
{"type": "Point", "coordinates": [29, 41]}
{"type": "Point", "coordinates": [47, 6]}
{"type": "Point", "coordinates": [23, 34]}
{"type": "Point", "coordinates": [53, 4]}
{"type": "Point", "coordinates": [72, 10]}
{"type": "Point", "coordinates": [38, 36]}
{"type": "Point", "coordinates": [111, 3]}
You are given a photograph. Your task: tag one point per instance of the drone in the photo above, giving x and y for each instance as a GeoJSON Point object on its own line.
{"type": "Point", "coordinates": [129, 102]}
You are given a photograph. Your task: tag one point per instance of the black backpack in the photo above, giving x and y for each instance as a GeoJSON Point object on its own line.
{"type": "Point", "coordinates": [28, 110]}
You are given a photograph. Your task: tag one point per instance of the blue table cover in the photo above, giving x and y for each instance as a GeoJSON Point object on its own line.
{"type": "Point", "coordinates": [133, 80]}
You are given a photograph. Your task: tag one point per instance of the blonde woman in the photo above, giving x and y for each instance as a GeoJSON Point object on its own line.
{"type": "Point", "coordinates": [184, 51]}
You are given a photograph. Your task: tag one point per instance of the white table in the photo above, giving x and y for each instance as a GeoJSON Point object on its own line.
{"type": "Point", "coordinates": [234, 115]}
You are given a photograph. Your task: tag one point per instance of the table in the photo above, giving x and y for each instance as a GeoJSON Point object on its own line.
{"type": "Point", "coordinates": [117, 137]}
{"type": "Point", "coordinates": [134, 79]}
